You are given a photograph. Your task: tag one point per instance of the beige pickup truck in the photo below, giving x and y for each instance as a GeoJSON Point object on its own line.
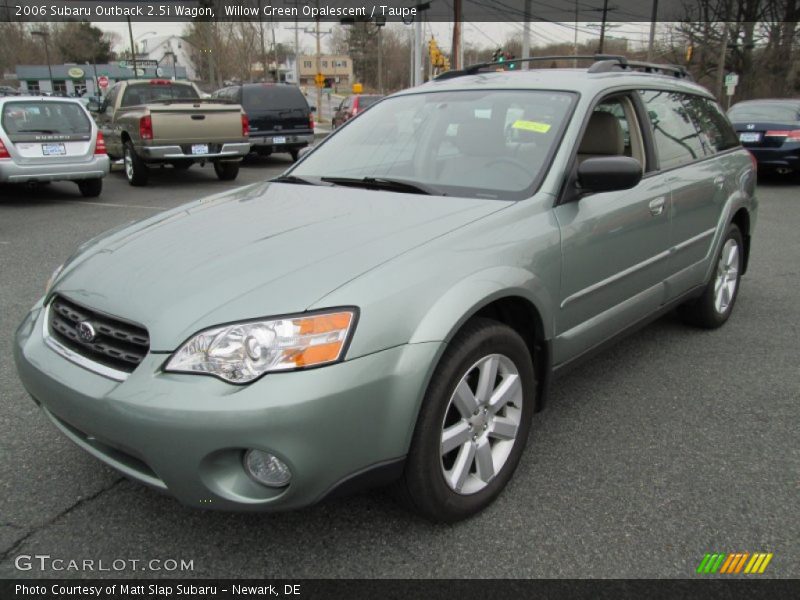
{"type": "Point", "coordinates": [158, 121]}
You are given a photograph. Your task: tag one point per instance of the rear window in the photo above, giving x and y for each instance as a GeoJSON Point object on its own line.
{"type": "Point", "coordinates": [273, 97]}
{"type": "Point", "coordinates": [41, 116]}
{"type": "Point", "coordinates": [768, 111]}
{"type": "Point", "coordinates": [146, 93]}
{"type": "Point", "coordinates": [365, 101]}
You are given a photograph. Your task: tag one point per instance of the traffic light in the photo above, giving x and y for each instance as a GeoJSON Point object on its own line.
{"type": "Point", "coordinates": [497, 55]}
{"type": "Point", "coordinates": [509, 57]}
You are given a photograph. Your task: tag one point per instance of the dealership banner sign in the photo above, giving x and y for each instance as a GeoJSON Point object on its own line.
{"type": "Point", "coordinates": [406, 11]}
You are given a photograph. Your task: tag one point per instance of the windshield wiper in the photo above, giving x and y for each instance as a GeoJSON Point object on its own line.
{"type": "Point", "coordinates": [294, 179]}
{"type": "Point", "coordinates": [385, 183]}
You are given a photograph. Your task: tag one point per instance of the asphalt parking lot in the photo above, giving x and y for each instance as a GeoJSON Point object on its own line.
{"type": "Point", "coordinates": [672, 444]}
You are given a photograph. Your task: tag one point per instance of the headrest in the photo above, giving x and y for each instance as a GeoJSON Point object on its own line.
{"type": "Point", "coordinates": [603, 135]}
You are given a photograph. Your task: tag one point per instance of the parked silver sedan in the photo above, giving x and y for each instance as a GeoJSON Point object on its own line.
{"type": "Point", "coordinates": [51, 139]}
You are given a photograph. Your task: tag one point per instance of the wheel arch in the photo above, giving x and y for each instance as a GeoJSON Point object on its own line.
{"type": "Point", "coordinates": [512, 296]}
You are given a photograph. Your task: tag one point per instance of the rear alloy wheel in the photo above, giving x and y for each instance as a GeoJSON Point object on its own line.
{"type": "Point", "coordinates": [136, 170]}
{"type": "Point", "coordinates": [714, 307]}
{"type": "Point", "coordinates": [226, 171]}
{"type": "Point", "coordinates": [90, 188]}
{"type": "Point", "coordinates": [473, 424]}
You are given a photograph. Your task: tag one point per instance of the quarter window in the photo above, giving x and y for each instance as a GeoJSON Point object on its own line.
{"type": "Point", "coordinates": [677, 140]}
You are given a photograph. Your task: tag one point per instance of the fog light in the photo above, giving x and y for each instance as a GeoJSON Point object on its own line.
{"type": "Point", "coordinates": [266, 468]}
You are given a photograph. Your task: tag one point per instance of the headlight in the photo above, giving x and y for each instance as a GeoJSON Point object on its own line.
{"type": "Point", "coordinates": [243, 352]}
{"type": "Point", "coordinates": [52, 279]}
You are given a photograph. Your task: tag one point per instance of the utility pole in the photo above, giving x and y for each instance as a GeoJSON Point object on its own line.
{"type": "Point", "coordinates": [275, 52]}
{"type": "Point", "coordinates": [723, 51]}
{"type": "Point", "coordinates": [44, 35]}
{"type": "Point", "coordinates": [575, 42]}
{"type": "Point", "coordinates": [319, 68]}
{"type": "Point", "coordinates": [418, 50]}
{"type": "Point", "coordinates": [133, 48]}
{"type": "Point", "coordinates": [455, 51]}
{"type": "Point", "coordinates": [526, 33]}
{"type": "Point", "coordinates": [653, 19]}
{"type": "Point", "coordinates": [603, 28]}
{"type": "Point", "coordinates": [263, 47]}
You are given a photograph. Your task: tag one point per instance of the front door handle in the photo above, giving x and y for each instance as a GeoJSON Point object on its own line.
{"type": "Point", "coordinates": [657, 206]}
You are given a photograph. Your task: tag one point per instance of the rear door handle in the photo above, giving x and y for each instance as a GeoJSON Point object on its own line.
{"type": "Point", "coordinates": [656, 206]}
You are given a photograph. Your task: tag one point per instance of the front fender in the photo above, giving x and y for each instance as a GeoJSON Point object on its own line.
{"type": "Point", "coordinates": [447, 315]}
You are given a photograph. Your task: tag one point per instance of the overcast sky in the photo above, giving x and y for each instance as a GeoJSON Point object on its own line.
{"type": "Point", "coordinates": [481, 34]}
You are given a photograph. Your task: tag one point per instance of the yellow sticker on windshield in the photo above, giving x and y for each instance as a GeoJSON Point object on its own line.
{"type": "Point", "coordinates": [531, 126]}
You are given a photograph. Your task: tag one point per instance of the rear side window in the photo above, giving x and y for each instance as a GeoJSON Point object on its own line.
{"type": "Point", "coordinates": [273, 97]}
{"type": "Point", "coordinates": [677, 140]}
{"type": "Point", "coordinates": [45, 117]}
{"type": "Point", "coordinates": [717, 134]}
{"type": "Point", "coordinates": [146, 93]}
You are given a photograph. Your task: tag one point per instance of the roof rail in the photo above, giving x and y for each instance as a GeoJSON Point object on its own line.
{"type": "Point", "coordinates": [603, 63]}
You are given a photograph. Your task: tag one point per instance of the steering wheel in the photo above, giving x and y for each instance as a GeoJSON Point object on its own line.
{"type": "Point", "coordinates": [513, 162]}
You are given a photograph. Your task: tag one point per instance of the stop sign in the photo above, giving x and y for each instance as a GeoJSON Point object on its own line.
{"type": "Point", "coordinates": [102, 81]}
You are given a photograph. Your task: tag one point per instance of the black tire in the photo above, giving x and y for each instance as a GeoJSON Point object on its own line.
{"type": "Point", "coordinates": [90, 188]}
{"type": "Point", "coordinates": [136, 171]}
{"type": "Point", "coordinates": [226, 171]}
{"type": "Point", "coordinates": [423, 486]}
{"type": "Point", "coordinates": [295, 154]}
{"type": "Point", "coordinates": [182, 165]}
{"type": "Point", "coordinates": [706, 311]}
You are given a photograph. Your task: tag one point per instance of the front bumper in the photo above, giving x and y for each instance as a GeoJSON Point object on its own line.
{"type": "Point", "coordinates": [174, 152]}
{"type": "Point", "coordinates": [185, 434]}
{"type": "Point", "coordinates": [95, 168]}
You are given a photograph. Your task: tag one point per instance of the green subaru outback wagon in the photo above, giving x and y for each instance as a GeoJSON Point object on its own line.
{"type": "Point", "coordinates": [393, 308]}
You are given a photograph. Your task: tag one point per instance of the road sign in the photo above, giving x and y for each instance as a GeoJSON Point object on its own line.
{"type": "Point", "coordinates": [102, 81]}
{"type": "Point", "coordinates": [730, 90]}
{"type": "Point", "coordinates": [357, 88]}
{"type": "Point", "coordinates": [732, 79]}
{"type": "Point", "coordinates": [147, 63]}
{"type": "Point", "coordinates": [122, 64]}
{"type": "Point", "coordinates": [319, 79]}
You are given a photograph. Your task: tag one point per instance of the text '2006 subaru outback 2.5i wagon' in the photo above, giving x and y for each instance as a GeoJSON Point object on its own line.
{"type": "Point", "coordinates": [392, 308]}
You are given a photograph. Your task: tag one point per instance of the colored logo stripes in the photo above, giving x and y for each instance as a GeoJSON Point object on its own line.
{"type": "Point", "coordinates": [735, 563]}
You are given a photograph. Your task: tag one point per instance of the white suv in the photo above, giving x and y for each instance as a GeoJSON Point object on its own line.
{"type": "Point", "coordinates": [51, 139]}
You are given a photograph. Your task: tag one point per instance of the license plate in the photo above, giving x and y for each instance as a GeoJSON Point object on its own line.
{"type": "Point", "coordinates": [53, 150]}
{"type": "Point", "coordinates": [279, 140]}
{"type": "Point", "coordinates": [199, 148]}
{"type": "Point", "coordinates": [749, 137]}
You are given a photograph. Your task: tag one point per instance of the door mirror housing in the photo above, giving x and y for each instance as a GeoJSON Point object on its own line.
{"type": "Point", "coordinates": [93, 106]}
{"type": "Point", "coordinates": [608, 174]}
{"type": "Point", "coordinates": [312, 108]}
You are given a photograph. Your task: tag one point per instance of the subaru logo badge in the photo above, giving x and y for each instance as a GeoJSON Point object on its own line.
{"type": "Point", "coordinates": [751, 126]}
{"type": "Point", "coordinates": [86, 331]}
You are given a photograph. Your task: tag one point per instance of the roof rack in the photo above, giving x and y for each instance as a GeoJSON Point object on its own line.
{"type": "Point", "coordinates": [603, 63]}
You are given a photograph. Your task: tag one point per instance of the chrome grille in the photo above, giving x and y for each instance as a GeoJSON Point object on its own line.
{"type": "Point", "coordinates": [116, 344]}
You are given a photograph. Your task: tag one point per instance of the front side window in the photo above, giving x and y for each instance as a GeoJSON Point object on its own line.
{"type": "Point", "coordinates": [677, 140]}
{"type": "Point", "coordinates": [487, 143]}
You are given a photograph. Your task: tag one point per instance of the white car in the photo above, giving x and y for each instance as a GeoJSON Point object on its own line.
{"type": "Point", "coordinates": [51, 139]}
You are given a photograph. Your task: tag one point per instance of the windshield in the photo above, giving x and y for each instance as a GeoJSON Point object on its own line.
{"type": "Point", "coordinates": [768, 111]}
{"type": "Point", "coordinates": [41, 116]}
{"type": "Point", "coordinates": [146, 93]}
{"type": "Point", "coordinates": [487, 143]}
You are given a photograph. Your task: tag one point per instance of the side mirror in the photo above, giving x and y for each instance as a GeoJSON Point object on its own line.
{"type": "Point", "coordinates": [312, 108]}
{"type": "Point", "coordinates": [93, 106]}
{"type": "Point", "coordinates": [608, 174]}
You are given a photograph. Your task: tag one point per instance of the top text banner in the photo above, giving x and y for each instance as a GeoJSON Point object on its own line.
{"type": "Point", "coordinates": [348, 10]}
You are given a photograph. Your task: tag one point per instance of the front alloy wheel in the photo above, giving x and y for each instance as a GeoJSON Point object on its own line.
{"type": "Point", "coordinates": [481, 424]}
{"type": "Point", "coordinates": [727, 276]}
{"type": "Point", "coordinates": [473, 423]}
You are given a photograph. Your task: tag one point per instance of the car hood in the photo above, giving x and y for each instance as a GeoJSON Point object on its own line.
{"type": "Point", "coordinates": [263, 250]}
